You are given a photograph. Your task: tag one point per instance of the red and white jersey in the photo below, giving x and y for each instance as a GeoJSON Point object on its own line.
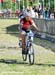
{"type": "Point", "coordinates": [26, 24]}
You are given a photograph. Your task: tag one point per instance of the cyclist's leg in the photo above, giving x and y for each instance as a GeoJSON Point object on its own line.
{"type": "Point", "coordinates": [23, 36]}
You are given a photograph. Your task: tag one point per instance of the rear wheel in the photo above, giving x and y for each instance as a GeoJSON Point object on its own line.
{"type": "Point", "coordinates": [31, 55]}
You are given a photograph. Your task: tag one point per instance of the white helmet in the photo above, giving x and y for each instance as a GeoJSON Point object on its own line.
{"type": "Point", "coordinates": [26, 13]}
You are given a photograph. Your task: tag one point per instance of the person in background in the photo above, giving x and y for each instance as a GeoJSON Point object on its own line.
{"type": "Point", "coordinates": [36, 11]}
{"type": "Point", "coordinates": [49, 13]}
{"type": "Point", "coordinates": [54, 13]}
{"type": "Point", "coordinates": [39, 11]}
{"type": "Point", "coordinates": [32, 12]}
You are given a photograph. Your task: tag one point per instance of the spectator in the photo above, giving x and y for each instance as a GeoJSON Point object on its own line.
{"type": "Point", "coordinates": [31, 11]}
{"type": "Point", "coordinates": [9, 11]}
{"type": "Point", "coordinates": [49, 12]}
{"type": "Point", "coordinates": [36, 12]}
{"type": "Point", "coordinates": [39, 10]}
{"type": "Point", "coordinates": [54, 13]}
{"type": "Point", "coordinates": [4, 13]}
{"type": "Point", "coordinates": [46, 13]}
{"type": "Point", "coordinates": [17, 12]}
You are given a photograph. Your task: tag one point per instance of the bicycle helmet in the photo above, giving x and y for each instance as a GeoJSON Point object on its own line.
{"type": "Point", "coordinates": [26, 13]}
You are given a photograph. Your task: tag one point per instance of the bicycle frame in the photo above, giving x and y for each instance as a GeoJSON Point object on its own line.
{"type": "Point", "coordinates": [29, 38]}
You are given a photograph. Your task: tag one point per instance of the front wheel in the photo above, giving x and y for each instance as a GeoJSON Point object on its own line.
{"type": "Point", "coordinates": [31, 55]}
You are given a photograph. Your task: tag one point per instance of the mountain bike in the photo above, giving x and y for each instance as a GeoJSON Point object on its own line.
{"type": "Point", "coordinates": [29, 48]}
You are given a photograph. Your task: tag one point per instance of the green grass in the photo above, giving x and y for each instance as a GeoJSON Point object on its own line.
{"type": "Point", "coordinates": [11, 62]}
{"type": "Point", "coordinates": [6, 23]}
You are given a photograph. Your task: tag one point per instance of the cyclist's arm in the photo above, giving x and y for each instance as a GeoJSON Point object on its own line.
{"type": "Point", "coordinates": [35, 26]}
{"type": "Point", "coordinates": [21, 24]}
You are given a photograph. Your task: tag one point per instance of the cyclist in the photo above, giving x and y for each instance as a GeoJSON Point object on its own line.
{"type": "Point", "coordinates": [25, 24]}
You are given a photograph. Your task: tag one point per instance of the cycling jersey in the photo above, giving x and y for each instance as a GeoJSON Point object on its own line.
{"type": "Point", "coordinates": [26, 24]}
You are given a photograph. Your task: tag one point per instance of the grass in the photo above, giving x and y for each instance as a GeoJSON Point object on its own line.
{"type": "Point", "coordinates": [11, 62]}
{"type": "Point", "coordinates": [46, 44]}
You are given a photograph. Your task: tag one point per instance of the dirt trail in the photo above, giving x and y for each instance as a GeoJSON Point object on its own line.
{"type": "Point", "coordinates": [11, 42]}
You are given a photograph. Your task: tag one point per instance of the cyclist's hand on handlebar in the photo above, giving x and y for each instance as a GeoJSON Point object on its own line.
{"type": "Point", "coordinates": [37, 31]}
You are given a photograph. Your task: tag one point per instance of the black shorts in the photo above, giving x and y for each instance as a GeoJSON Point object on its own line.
{"type": "Point", "coordinates": [26, 30]}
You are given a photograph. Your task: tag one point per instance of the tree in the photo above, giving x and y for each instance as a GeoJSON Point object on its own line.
{"type": "Point", "coordinates": [6, 5]}
{"type": "Point", "coordinates": [48, 3]}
